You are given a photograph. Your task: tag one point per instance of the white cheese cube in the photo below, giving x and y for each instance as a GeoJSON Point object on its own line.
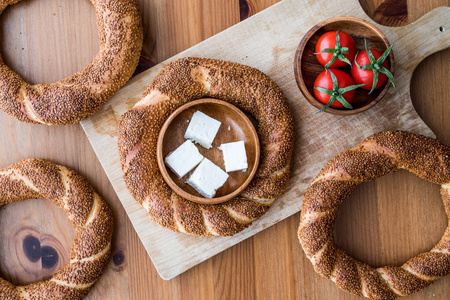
{"type": "Point", "coordinates": [234, 156]}
{"type": "Point", "coordinates": [207, 178]}
{"type": "Point", "coordinates": [184, 158]}
{"type": "Point", "coordinates": [202, 129]}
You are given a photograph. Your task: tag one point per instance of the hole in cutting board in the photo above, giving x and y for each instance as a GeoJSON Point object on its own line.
{"type": "Point", "coordinates": [385, 222]}
{"type": "Point", "coordinates": [388, 12]}
{"type": "Point", "coordinates": [430, 94]}
{"type": "Point", "coordinates": [36, 237]}
{"type": "Point", "coordinates": [46, 40]}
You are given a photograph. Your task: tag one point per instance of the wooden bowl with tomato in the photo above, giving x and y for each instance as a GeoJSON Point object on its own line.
{"type": "Point", "coordinates": [318, 85]}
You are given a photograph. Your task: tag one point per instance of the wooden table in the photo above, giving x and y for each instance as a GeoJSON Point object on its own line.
{"type": "Point", "coordinates": [383, 222]}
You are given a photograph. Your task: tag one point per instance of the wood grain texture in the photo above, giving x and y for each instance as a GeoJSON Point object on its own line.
{"type": "Point", "coordinates": [32, 247]}
{"type": "Point", "coordinates": [270, 265]}
{"type": "Point", "coordinates": [387, 12]}
{"type": "Point", "coordinates": [249, 43]}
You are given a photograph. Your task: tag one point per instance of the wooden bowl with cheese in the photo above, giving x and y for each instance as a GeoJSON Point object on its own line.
{"type": "Point", "coordinates": [208, 151]}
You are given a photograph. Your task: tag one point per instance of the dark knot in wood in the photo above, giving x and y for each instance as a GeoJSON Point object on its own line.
{"type": "Point", "coordinates": [118, 258]}
{"type": "Point", "coordinates": [244, 9]}
{"type": "Point", "coordinates": [32, 248]}
{"type": "Point", "coordinates": [49, 257]}
{"type": "Point", "coordinates": [34, 252]}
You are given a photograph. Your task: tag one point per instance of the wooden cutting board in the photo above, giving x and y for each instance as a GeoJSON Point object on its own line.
{"type": "Point", "coordinates": [268, 41]}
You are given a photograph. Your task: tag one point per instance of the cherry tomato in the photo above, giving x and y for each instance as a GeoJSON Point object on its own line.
{"type": "Point", "coordinates": [328, 41]}
{"type": "Point", "coordinates": [324, 80]}
{"type": "Point", "coordinates": [366, 76]}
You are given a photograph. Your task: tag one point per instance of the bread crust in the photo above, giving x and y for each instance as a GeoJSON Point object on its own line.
{"type": "Point", "coordinates": [376, 156]}
{"type": "Point", "coordinates": [189, 79]}
{"type": "Point", "coordinates": [80, 95]}
{"type": "Point", "coordinates": [89, 215]}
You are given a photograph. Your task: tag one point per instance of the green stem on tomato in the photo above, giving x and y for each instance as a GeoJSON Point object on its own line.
{"type": "Point", "coordinates": [336, 93]}
{"type": "Point", "coordinates": [332, 99]}
{"type": "Point", "coordinates": [376, 65]}
{"type": "Point", "coordinates": [338, 52]}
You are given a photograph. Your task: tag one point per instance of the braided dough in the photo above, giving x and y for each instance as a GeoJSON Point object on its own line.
{"type": "Point", "coordinates": [81, 94]}
{"type": "Point", "coordinates": [89, 215]}
{"type": "Point", "coordinates": [189, 79]}
{"type": "Point", "coordinates": [378, 155]}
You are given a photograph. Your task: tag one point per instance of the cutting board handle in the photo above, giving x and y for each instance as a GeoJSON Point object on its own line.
{"type": "Point", "coordinates": [427, 35]}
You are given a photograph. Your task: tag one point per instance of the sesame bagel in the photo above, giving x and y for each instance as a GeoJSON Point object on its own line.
{"type": "Point", "coordinates": [89, 215]}
{"type": "Point", "coordinates": [81, 94]}
{"type": "Point", "coordinates": [376, 156]}
{"type": "Point", "coordinates": [185, 80]}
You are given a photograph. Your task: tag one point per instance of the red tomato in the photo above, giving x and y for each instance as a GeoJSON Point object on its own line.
{"type": "Point", "coordinates": [366, 76]}
{"type": "Point", "coordinates": [324, 81]}
{"type": "Point", "coordinates": [328, 41]}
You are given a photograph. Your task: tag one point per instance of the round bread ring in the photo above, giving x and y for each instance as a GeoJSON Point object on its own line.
{"type": "Point", "coordinates": [89, 215]}
{"type": "Point", "coordinates": [376, 156]}
{"type": "Point", "coordinates": [81, 94]}
{"type": "Point", "coordinates": [185, 80]}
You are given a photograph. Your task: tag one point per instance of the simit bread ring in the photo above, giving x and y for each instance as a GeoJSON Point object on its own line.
{"type": "Point", "coordinates": [188, 79]}
{"type": "Point", "coordinates": [81, 94]}
{"type": "Point", "coordinates": [378, 155]}
{"type": "Point", "coordinates": [90, 217]}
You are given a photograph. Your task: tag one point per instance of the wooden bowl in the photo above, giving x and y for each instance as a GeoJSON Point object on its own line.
{"type": "Point", "coordinates": [236, 126]}
{"type": "Point", "coordinates": [307, 67]}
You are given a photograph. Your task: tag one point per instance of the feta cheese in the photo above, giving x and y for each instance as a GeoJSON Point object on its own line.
{"type": "Point", "coordinates": [184, 158]}
{"type": "Point", "coordinates": [234, 156]}
{"type": "Point", "coordinates": [202, 129]}
{"type": "Point", "coordinates": [207, 178]}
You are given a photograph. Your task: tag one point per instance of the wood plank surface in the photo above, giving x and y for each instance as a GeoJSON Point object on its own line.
{"type": "Point", "coordinates": [258, 42]}
{"type": "Point", "coordinates": [385, 221]}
